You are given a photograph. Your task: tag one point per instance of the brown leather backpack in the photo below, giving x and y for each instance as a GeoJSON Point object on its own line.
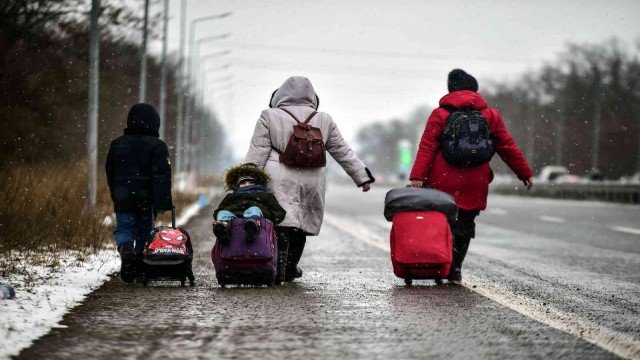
{"type": "Point", "coordinates": [305, 147]}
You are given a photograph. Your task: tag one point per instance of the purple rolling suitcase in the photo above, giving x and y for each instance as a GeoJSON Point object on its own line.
{"type": "Point", "coordinates": [243, 263]}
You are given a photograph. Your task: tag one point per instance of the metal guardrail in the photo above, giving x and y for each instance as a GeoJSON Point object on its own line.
{"type": "Point", "coordinates": [602, 191]}
{"type": "Point", "coordinates": [621, 193]}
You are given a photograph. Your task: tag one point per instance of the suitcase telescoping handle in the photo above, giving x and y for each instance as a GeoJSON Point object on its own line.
{"type": "Point", "coordinates": [424, 186]}
{"type": "Point", "coordinates": [173, 216]}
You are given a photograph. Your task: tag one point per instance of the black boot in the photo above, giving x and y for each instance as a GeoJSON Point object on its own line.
{"type": "Point", "coordinates": [139, 267]}
{"type": "Point", "coordinates": [221, 231]}
{"type": "Point", "coordinates": [127, 263]}
{"type": "Point", "coordinates": [251, 227]}
{"type": "Point", "coordinates": [282, 235]}
{"type": "Point", "coordinates": [297, 241]}
{"type": "Point", "coordinates": [460, 247]}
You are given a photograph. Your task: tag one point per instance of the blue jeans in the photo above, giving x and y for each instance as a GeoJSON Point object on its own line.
{"type": "Point", "coordinates": [133, 228]}
{"type": "Point", "coordinates": [252, 212]}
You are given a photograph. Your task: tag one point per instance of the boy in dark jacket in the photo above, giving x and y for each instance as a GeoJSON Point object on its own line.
{"type": "Point", "coordinates": [249, 200]}
{"type": "Point", "coordinates": [139, 177]}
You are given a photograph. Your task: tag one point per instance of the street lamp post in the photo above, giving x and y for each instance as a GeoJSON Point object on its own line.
{"type": "Point", "coordinates": [207, 88]}
{"type": "Point", "coordinates": [205, 81]}
{"type": "Point", "coordinates": [188, 92]}
{"type": "Point", "coordinates": [200, 83]}
{"type": "Point", "coordinates": [92, 121]}
{"type": "Point", "coordinates": [181, 88]}
{"type": "Point", "coordinates": [202, 62]}
{"type": "Point", "coordinates": [214, 90]}
{"type": "Point", "coordinates": [163, 72]}
{"type": "Point", "coordinates": [197, 62]}
{"type": "Point", "coordinates": [192, 30]}
{"type": "Point", "coordinates": [143, 55]}
{"type": "Point", "coordinates": [216, 67]}
{"type": "Point", "coordinates": [597, 121]}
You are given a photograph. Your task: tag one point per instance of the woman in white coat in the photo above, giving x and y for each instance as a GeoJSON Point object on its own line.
{"type": "Point", "coordinates": [300, 190]}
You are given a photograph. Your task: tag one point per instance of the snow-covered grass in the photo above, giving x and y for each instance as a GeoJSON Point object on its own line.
{"type": "Point", "coordinates": [50, 281]}
{"type": "Point", "coordinates": [45, 293]}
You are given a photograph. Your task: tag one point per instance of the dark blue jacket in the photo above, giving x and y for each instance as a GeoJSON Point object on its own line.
{"type": "Point", "coordinates": [138, 165]}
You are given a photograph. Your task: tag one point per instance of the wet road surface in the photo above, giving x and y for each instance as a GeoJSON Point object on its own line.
{"type": "Point", "coordinates": [349, 305]}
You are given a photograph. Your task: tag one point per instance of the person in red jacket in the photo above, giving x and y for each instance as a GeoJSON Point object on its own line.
{"type": "Point", "coordinates": [468, 185]}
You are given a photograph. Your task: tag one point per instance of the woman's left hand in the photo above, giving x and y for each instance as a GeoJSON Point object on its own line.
{"type": "Point", "coordinates": [366, 187]}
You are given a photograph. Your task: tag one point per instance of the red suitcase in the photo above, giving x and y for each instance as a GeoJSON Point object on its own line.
{"type": "Point", "coordinates": [421, 246]}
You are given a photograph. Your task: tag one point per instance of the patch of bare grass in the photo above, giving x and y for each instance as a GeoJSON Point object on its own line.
{"type": "Point", "coordinates": [43, 216]}
{"type": "Point", "coordinates": [42, 213]}
{"type": "Point", "coordinates": [42, 208]}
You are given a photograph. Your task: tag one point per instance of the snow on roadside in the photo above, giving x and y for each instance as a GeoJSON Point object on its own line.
{"type": "Point", "coordinates": [43, 298]}
{"type": "Point", "coordinates": [41, 303]}
{"type": "Point", "coordinates": [188, 213]}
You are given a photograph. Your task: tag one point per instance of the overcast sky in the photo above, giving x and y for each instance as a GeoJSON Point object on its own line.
{"type": "Point", "coordinates": [375, 60]}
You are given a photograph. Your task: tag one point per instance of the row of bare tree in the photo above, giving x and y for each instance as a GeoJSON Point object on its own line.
{"type": "Point", "coordinates": [582, 111]}
{"type": "Point", "coordinates": [44, 81]}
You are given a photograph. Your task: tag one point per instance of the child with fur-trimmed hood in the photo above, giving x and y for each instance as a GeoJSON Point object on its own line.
{"type": "Point", "coordinates": [249, 199]}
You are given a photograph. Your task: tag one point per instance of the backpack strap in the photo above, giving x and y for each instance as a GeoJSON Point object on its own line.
{"type": "Point", "coordinates": [310, 117]}
{"type": "Point", "coordinates": [299, 123]}
{"type": "Point", "coordinates": [289, 112]}
{"type": "Point", "coordinates": [296, 119]}
{"type": "Point", "coordinates": [451, 110]}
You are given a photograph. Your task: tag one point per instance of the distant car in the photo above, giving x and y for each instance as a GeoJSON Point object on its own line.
{"type": "Point", "coordinates": [569, 179]}
{"type": "Point", "coordinates": [552, 173]}
{"type": "Point", "coordinates": [595, 176]}
{"type": "Point", "coordinates": [499, 178]}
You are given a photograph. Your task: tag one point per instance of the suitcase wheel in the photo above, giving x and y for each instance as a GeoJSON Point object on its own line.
{"type": "Point", "coordinates": [408, 281]}
{"type": "Point", "coordinates": [438, 281]}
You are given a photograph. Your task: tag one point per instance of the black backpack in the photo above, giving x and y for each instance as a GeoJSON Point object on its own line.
{"type": "Point", "coordinates": [467, 140]}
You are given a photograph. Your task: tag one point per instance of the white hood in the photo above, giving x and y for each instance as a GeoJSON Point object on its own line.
{"type": "Point", "coordinates": [295, 91]}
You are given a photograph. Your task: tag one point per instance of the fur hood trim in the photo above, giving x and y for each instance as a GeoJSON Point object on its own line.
{"type": "Point", "coordinates": [233, 174]}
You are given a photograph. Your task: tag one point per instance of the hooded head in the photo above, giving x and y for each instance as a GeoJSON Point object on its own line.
{"type": "Point", "coordinates": [143, 117]}
{"type": "Point", "coordinates": [245, 179]}
{"type": "Point", "coordinates": [234, 175]}
{"type": "Point", "coordinates": [459, 80]}
{"type": "Point", "coordinates": [296, 90]}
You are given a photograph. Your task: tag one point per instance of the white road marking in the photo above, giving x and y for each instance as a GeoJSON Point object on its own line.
{"type": "Point", "coordinates": [613, 341]}
{"type": "Point", "coordinates": [627, 230]}
{"type": "Point", "coordinates": [552, 219]}
{"type": "Point", "coordinates": [497, 211]}
{"type": "Point", "coordinates": [348, 228]}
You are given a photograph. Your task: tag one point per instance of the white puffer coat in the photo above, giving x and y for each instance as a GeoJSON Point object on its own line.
{"type": "Point", "coordinates": [300, 191]}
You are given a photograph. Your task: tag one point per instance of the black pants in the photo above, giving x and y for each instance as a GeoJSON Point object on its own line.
{"type": "Point", "coordinates": [295, 241]}
{"type": "Point", "coordinates": [463, 231]}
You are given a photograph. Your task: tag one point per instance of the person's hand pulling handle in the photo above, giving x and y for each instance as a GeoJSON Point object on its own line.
{"type": "Point", "coordinates": [528, 183]}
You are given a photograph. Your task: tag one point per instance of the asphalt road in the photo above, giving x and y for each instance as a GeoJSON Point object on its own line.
{"type": "Point", "coordinates": [526, 278]}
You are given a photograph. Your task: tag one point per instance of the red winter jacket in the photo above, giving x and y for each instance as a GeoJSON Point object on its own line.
{"type": "Point", "coordinates": [469, 186]}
